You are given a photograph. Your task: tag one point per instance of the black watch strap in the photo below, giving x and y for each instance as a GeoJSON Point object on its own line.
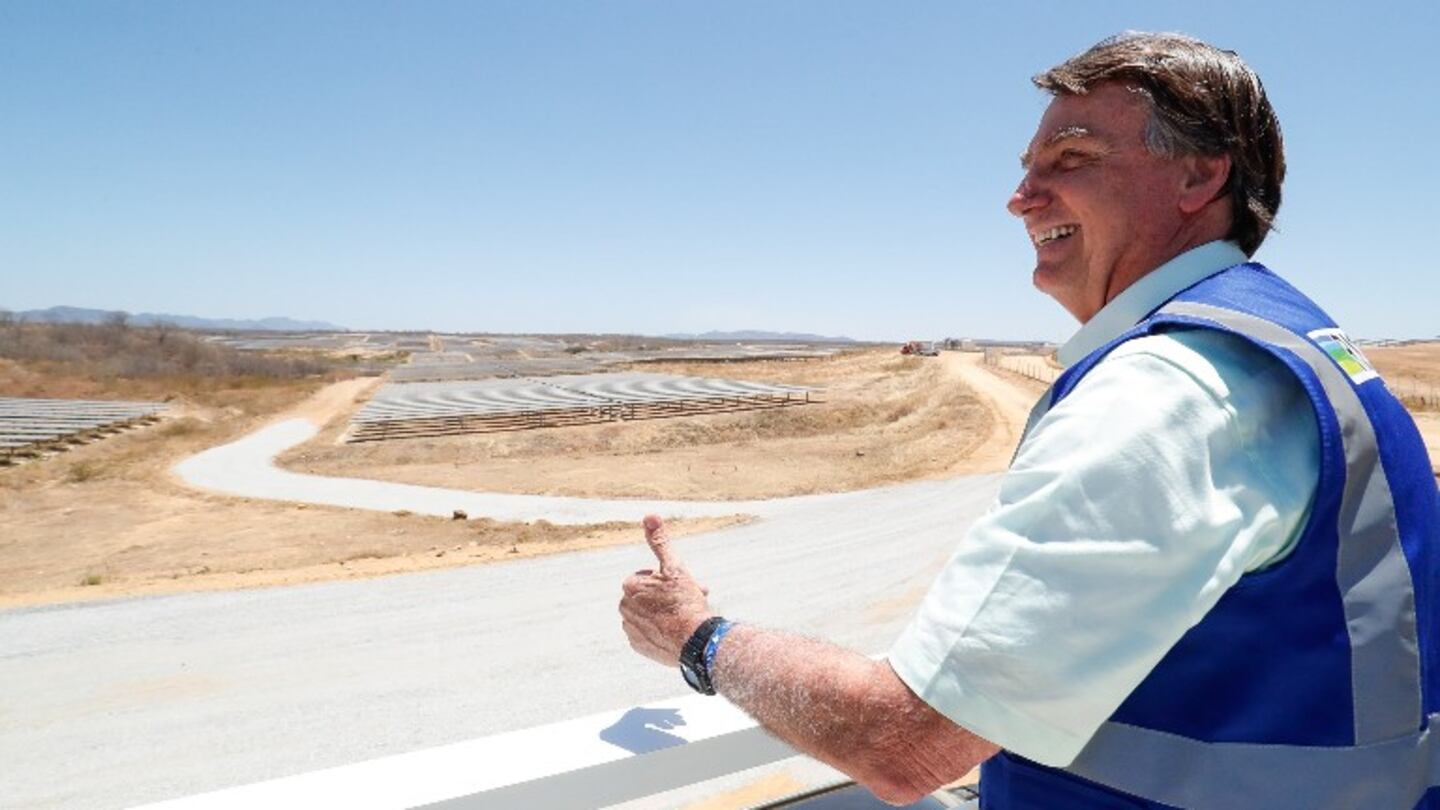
{"type": "Point", "coordinates": [692, 657]}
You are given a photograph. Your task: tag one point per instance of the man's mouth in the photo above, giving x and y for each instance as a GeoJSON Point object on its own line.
{"type": "Point", "coordinates": [1058, 232]}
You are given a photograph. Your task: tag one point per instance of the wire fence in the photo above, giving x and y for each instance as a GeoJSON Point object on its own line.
{"type": "Point", "coordinates": [1026, 365]}
{"type": "Point", "coordinates": [1415, 395]}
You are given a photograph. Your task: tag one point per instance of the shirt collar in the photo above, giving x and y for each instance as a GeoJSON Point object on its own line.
{"type": "Point", "coordinates": [1147, 294]}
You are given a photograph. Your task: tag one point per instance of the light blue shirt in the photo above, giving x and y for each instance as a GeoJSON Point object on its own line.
{"type": "Point", "coordinates": [1179, 463]}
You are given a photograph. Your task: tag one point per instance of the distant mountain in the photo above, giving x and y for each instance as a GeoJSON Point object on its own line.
{"type": "Point", "coordinates": [81, 315]}
{"type": "Point", "coordinates": [756, 334]}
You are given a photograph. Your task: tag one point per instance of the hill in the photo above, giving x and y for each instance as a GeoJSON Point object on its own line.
{"type": "Point", "coordinates": [64, 314]}
{"type": "Point", "coordinates": [756, 334]}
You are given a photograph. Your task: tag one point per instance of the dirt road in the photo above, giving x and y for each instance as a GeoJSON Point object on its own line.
{"type": "Point", "coordinates": [215, 689]}
{"type": "Point", "coordinates": [129, 527]}
{"type": "Point", "coordinates": [885, 419]}
{"type": "Point", "coordinates": [246, 467]}
{"type": "Point", "coordinates": [1008, 397]}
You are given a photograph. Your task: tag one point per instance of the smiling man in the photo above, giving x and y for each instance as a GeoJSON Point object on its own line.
{"type": "Point", "coordinates": [1209, 579]}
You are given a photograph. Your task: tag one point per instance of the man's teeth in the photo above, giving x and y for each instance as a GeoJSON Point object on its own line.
{"type": "Point", "coordinates": [1053, 234]}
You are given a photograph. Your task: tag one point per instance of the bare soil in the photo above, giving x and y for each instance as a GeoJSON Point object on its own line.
{"type": "Point", "coordinates": [884, 419]}
{"type": "Point", "coordinates": [107, 519]}
{"type": "Point", "coordinates": [1413, 374]}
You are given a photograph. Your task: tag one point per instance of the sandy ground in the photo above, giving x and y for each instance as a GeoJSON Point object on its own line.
{"type": "Point", "coordinates": [884, 419]}
{"type": "Point", "coordinates": [1413, 374]}
{"type": "Point", "coordinates": [108, 520]}
{"type": "Point", "coordinates": [1009, 398]}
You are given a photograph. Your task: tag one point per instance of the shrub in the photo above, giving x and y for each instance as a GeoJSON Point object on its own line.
{"type": "Point", "coordinates": [82, 471]}
{"type": "Point", "coordinates": [117, 349]}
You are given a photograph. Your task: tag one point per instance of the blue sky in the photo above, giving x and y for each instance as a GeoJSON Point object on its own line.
{"type": "Point", "coordinates": [833, 167]}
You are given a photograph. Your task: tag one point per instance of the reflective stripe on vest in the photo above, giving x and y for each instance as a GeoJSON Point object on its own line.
{"type": "Point", "coordinates": [1391, 763]}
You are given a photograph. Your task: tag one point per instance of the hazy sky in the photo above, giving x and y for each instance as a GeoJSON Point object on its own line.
{"type": "Point", "coordinates": [833, 167]}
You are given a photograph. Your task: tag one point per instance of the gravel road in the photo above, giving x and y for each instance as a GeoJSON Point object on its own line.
{"type": "Point", "coordinates": [108, 705]}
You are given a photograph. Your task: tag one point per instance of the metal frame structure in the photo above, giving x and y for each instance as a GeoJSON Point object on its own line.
{"type": "Point", "coordinates": [440, 409]}
{"type": "Point", "coordinates": [29, 426]}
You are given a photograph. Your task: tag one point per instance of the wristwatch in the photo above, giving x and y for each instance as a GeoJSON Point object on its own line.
{"type": "Point", "coordinates": [692, 657]}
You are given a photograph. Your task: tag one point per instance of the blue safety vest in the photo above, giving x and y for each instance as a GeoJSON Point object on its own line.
{"type": "Point", "coordinates": [1313, 683]}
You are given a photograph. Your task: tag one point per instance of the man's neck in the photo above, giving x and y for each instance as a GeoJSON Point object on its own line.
{"type": "Point", "coordinates": [1148, 292]}
{"type": "Point", "coordinates": [1189, 236]}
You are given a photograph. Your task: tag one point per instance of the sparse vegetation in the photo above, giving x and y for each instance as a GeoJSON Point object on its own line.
{"type": "Point", "coordinates": [117, 349]}
{"type": "Point", "coordinates": [82, 471]}
{"type": "Point", "coordinates": [908, 417]}
{"type": "Point", "coordinates": [369, 554]}
{"type": "Point", "coordinates": [184, 426]}
{"type": "Point", "coordinates": [1412, 372]}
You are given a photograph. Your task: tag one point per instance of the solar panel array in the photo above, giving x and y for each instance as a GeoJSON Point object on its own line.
{"type": "Point", "coordinates": [405, 410]}
{"type": "Point", "coordinates": [29, 426]}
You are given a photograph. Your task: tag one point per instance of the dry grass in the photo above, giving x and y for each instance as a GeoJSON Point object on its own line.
{"type": "Point", "coordinates": [214, 393]}
{"type": "Point", "coordinates": [82, 471]}
{"type": "Point", "coordinates": [107, 519]}
{"type": "Point", "coordinates": [1412, 372]}
{"type": "Point", "coordinates": [115, 350]}
{"type": "Point", "coordinates": [883, 419]}
{"type": "Point", "coordinates": [208, 415]}
{"type": "Point", "coordinates": [66, 543]}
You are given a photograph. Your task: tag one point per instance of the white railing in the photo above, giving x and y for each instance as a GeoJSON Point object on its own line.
{"type": "Point", "coordinates": [584, 764]}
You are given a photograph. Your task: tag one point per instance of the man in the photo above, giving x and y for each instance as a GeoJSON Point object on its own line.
{"type": "Point", "coordinates": [1209, 579]}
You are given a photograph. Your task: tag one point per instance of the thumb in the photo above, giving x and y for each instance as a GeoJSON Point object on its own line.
{"type": "Point", "coordinates": [659, 541]}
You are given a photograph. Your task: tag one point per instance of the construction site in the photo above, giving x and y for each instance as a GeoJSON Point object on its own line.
{"type": "Point", "coordinates": [404, 484]}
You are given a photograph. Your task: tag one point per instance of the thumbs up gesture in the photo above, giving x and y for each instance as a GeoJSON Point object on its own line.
{"type": "Point", "coordinates": [660, 608]}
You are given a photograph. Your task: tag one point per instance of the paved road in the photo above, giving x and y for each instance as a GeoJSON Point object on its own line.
{"type": "Point", "coordinates": [107, 705]}
{"type": "Point", "coordinates": [244, 467]}
{"type": "Point", "coordinates": [110, 705]}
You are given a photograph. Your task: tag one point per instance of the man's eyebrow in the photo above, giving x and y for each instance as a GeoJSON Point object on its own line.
{"type": "Point", "coordinates": [1062, 134]}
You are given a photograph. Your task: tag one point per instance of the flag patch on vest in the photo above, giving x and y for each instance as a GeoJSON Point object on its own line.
{"type": "Point", "coordinates": [1345, 353]}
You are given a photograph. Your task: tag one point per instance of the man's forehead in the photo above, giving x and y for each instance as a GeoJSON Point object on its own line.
{"type": "Point", "coordinates": [1104, 113]}
{"type": "Point", "coordinates": [1068, 132]}
{"type": "Point", "coordinates": [1060, 134]}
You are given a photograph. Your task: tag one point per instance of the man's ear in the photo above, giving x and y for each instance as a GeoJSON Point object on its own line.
{"type": "Point", "coordinates": [1203, 180]}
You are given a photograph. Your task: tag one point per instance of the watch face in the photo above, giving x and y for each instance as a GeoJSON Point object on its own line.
{"type": "Point", "coordinates": [691, 677]}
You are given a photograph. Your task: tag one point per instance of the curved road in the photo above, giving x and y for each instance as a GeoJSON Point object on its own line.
{"type": "Point", "coordinates": [112, 704]}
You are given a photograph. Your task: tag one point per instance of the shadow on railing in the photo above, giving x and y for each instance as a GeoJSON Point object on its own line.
{"type": "Point", "coordinates": [622, 757]}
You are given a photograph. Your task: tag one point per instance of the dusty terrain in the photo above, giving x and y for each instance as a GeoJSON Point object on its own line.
{"type": "Point", "coordinates": [1413, 373]}
{"type": "Point", "coordinates": [107, 519]}
{"type": "Point", "coordinates": [884, 419]}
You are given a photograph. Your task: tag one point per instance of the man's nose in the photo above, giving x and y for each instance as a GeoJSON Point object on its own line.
{"type": "Point", "coordinates": [1027, 197]}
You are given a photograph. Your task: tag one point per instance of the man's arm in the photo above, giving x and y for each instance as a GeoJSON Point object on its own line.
{"type": "Point", "coordinates": [846, 710]}
{"type": "Point", "coordinates": [839, 707]}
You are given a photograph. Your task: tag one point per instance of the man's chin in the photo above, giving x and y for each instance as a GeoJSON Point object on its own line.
{"type": "Point", "coordinates": [1046, 279]}
{"type": "Point", "coordinates": [1050, 280]}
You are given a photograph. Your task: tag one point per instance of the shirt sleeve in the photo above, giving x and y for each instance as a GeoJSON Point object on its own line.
{"type": "Point", "coordinates": [1176, 465]}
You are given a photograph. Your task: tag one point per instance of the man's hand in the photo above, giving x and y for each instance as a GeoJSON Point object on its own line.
{"type": "Point", "coordinates": [836, 705]}
{"type": "Point", "coordinates": [660, 609]}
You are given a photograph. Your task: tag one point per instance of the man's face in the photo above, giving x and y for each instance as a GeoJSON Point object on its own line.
{"type": "Point", "coordinates": [1100, 210]}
